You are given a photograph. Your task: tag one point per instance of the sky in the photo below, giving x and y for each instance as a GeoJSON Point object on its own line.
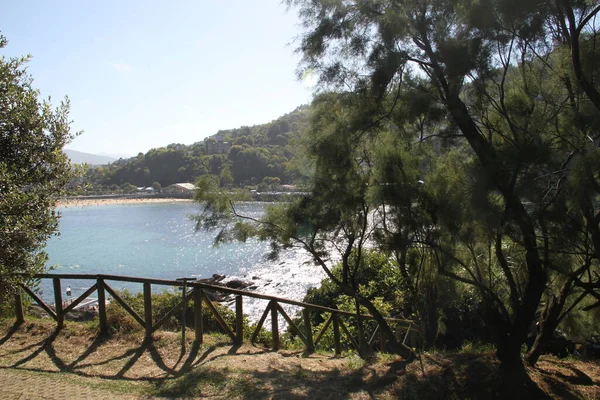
{"type": "Point", "coordinates": [144, 74]}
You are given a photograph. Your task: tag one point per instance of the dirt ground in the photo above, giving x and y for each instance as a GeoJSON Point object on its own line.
{"type": "Point", "coordinates": [36, 362]}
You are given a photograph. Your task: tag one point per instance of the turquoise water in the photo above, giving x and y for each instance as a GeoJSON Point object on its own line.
{"type": "Point", "coordinates": [154, 240]}
{"type": "Point", "coordinates": [158, 240]}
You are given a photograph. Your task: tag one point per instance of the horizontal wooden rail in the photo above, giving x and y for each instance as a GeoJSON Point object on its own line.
{"type": "Point", "coordinates": [199, 297]}
{"type": "Point", "coordinates": [214, 288]}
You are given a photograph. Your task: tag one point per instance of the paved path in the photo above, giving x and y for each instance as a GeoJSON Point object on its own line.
{"type": "Point", "coordinates": [20, 385]}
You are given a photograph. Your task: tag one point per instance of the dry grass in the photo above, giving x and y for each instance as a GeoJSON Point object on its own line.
{"type": "Point", "coordinates": [124, 364]}
{"type": "Point", "coordinates": [566, 378]}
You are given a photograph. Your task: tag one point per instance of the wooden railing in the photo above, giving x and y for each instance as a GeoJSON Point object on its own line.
{"type": "Point", "coordinates": [201, 301]}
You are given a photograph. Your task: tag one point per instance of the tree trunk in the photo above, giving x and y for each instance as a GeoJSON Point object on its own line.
{"type": "Point", "coordinates": [515, 381]}
{"type": "Point", "coordinates": [364, 350]}
{"type": "Point", "coordinates": [573, 41]}
{"type": "Point", "coordinates": [509, 353]}
{"type": "Point", "coordinates": [547, 327]}
{"type": "Point", "coordinates": [396, 347]}
{"type": "Point", "coordinates": [549, 323]}
{"type": "Point", "coordinates": [430, 317]}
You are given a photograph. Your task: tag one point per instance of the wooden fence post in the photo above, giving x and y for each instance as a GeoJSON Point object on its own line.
{"type": "Point", "coordinates": [19, 314]}
{"type": "Point", "coordinates": [308, 330]}
{"type": "Point", "coordinates": [362, 340]}
{"type": "Point", "coordinates": [336, 333]}
{"type": "Point", "coordinates": [58, 306]}
{"type": "Point", "coordinates": [239, 320]}
{"type": "Point", "coordinates": [274, 325]}
{"type": "Point", "coordinates": [148, 310]}
{"type": "Point", "coordinates": [198, 328]}
{"type": "Point", "coordinates": [102, 307]}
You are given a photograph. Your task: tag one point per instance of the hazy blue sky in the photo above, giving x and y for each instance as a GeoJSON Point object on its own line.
{"type": "Point", "coordinates": [143, 74]}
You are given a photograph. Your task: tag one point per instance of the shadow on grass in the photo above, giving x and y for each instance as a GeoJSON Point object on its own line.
{"type": "Point", "coordinates": [283, 383]}
{"type": "Point", "coordinates": [274, 383]}
{"type": "Point", "coordinates": [45, 346]}
{"type": "Point", "coordinates": [187, 376]}
{"type": "Point", "coordinates": [464, 376]}
{"type": "Point", "coordinates": [454, 376]}
{"type": "Point", "coordinates": [181, 372]}
{"type": "Point", "coordinates": [477, 376]}
{"type": "Point", "coordinates": [10, 333]}
{"type": "Point", "coordinates": [77, 366]}
{"type": "Point", "coordinates": [98, 341]}
{"type": "Point", "coordinates": [568, 376]}
{"type": "Point", "coordinates": [578, 377]}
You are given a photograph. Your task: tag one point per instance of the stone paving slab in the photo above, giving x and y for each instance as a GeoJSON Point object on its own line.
{"type": "Point", "coordinates": [21, 385]}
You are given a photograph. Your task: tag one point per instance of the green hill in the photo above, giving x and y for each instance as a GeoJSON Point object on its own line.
{"type": "Point", "coordinates": [243, 156]}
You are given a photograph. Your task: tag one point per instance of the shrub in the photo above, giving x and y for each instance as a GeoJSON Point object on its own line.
{"type": "Point", "coordinates": [120, 321]}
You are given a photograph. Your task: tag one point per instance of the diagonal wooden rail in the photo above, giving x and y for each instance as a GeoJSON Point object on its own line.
{"type": "Point", "coordinates": [201, 301]}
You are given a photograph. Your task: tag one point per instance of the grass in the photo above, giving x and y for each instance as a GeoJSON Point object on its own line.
{"type": "Point", "coordinates": [124, 364]}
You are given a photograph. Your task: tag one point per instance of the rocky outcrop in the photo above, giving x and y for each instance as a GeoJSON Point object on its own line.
{"type": "Point", "coordinates": [219, 280]}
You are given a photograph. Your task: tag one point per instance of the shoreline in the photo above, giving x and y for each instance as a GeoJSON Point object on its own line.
{"type": "Point", "coordinates": [290, 276]}
{"type": "Point", "coordinates": [95, 201]}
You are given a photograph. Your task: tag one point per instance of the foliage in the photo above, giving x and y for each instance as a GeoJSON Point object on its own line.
{"type": "Point", "coordinates": [504, 100]}
{"type": "Point", "coordinates": [255, 153]}
{"type": "Point", "coordinates": [379, 276]}
{"type": "Point", "coordinates": [162, 303]}
{"type": "Point", "coordinates": [33, 172]}
{"type": "Point", "coordinates": [120, 321]}
{"type": "Point", "coordinates": [456, 313]}
{"type": "Point", "coordinates": [268, 183]}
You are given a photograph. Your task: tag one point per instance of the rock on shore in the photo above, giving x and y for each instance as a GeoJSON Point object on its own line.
{"type": "Point", "coordinates": [220, 280]}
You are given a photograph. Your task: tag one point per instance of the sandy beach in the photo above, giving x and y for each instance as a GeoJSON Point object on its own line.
{"type": "Point", "coordinates": [94, 201]}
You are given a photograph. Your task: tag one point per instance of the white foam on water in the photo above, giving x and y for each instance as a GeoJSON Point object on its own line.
{"type": "Point", "coordinates": [290, 277]}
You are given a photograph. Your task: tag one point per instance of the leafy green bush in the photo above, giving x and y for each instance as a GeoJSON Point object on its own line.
{"type": "Point", "coordinates": [7, 310]}
{"type": "Point", "coordinates": [120, 321]}
{"type": "Point", "coordinates": [377, 277]}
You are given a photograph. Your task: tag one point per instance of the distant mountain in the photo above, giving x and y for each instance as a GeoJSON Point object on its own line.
{"type": "Point", "coordinates": [79, 157]}
{"type": "Point", "coordinates": [116, 155]}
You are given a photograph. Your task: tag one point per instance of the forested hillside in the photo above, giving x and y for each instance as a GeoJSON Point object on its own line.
{"type": "Point", "coordinates": [241, 156]}
{"type": "Point", "coordinates": [456, 150]}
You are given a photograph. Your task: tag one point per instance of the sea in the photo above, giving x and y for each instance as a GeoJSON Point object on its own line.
{"type": "Point", "coordinates": [159, 240]}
